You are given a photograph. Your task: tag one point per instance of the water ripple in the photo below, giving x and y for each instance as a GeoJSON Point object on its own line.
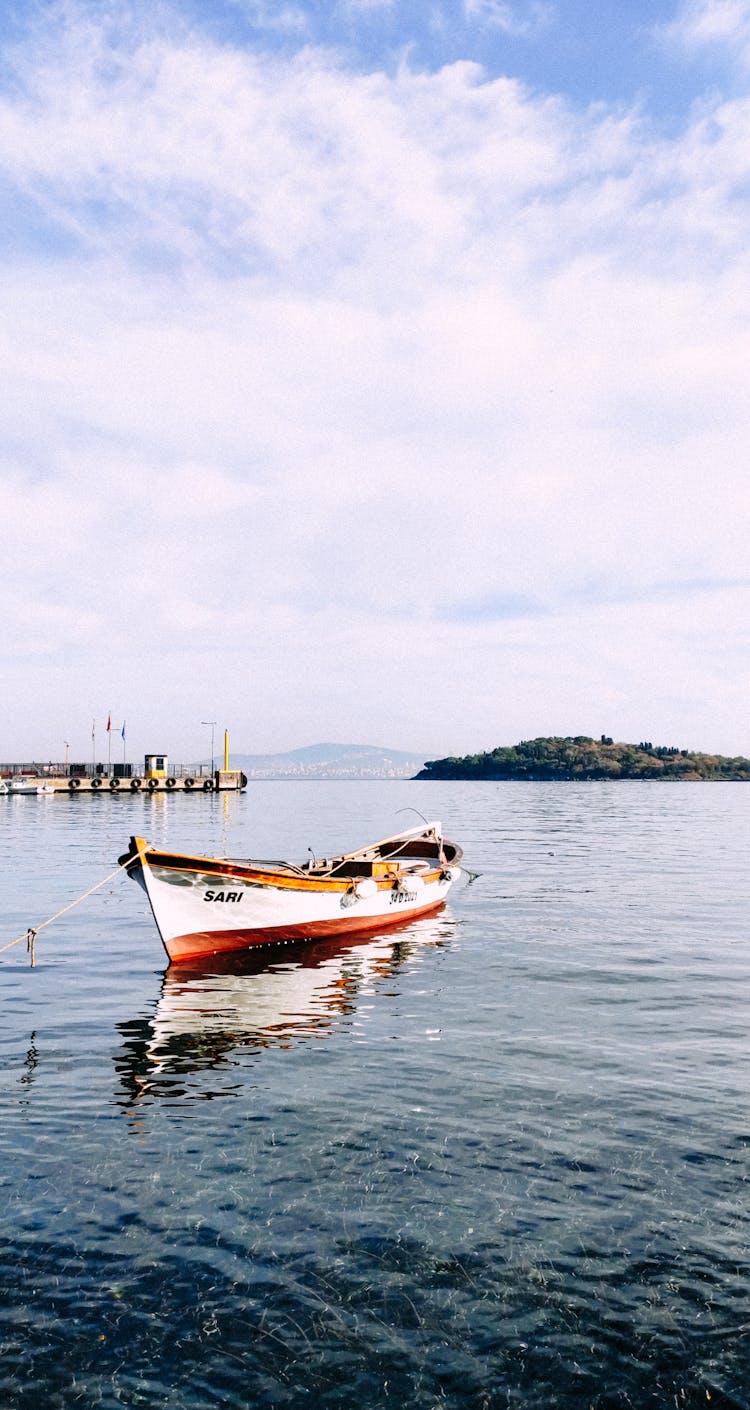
{"type": "Point", "coordinates": [500, 1159]}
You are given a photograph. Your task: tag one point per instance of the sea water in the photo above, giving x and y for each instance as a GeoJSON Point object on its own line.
{"type": "Point", "coordinates": [499, 1157]}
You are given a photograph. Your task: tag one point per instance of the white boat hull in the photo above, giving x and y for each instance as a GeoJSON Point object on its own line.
{"type": "Point", "coordinates": [208, 906]}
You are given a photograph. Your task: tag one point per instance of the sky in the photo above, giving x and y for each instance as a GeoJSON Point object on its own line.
{"type": "Point", "coordinates": [374, 371]}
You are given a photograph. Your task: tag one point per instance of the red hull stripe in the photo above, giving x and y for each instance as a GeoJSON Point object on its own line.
{"type": "Point", "coordinates": [202, 943]}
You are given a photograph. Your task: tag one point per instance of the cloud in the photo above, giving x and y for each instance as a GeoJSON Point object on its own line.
{"type": "Point", "coordinates": [316, 377]}
{"type": "Point", "coordinates": [722, 25]}
{"type": "Point", "coordinates": [515, 20]}
{"type": "Point", "coordinates": [288, 20]}
{"type": "Point", "coordinates": [366, 7]}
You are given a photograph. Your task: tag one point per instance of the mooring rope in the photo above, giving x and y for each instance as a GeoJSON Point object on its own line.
{"type": "Point", "coordinates": [31, 933]}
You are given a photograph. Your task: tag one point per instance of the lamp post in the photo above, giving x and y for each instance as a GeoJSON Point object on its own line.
{"type": "Point", "coordinates": [212, 723]}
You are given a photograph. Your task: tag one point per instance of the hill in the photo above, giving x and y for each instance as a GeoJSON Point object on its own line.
{"type": "Point", "coordinates": [331, 761]}
{"type": "Point", "coordinates": [580, 757]}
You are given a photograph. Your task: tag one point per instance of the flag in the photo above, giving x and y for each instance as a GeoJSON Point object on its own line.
{"type": "Point", "coordinates": [109, 723]}
{"type": "Point", "coordinates": [123, 729]}
{"type": "Point", "coordinates": [93, 729]}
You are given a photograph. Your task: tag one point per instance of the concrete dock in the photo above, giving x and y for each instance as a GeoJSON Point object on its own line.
{"type": "Point", "coordinates": [221, 781]}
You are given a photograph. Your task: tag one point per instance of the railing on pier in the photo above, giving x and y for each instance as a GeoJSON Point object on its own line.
{"type": "Point", "coordinates": [34, 769]}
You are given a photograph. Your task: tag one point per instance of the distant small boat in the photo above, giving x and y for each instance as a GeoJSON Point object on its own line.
{"type": "Point", "coordinates": [21, 783]}
{"type": "Point", "coordinates": [215, 905]}
{"type": "Point", "coordinates": [4, 787]}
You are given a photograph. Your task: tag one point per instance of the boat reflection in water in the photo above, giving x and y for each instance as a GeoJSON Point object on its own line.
{"type": "Point", "coordinates": [274, 997]}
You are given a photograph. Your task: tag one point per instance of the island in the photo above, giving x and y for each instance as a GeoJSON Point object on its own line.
{"type": "Point", "coordinates": [579, 757]}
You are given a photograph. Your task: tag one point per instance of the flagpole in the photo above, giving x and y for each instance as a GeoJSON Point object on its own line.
{"type": "Point", "coordinates": [109, 746]}
{"type": "Point", "coordinates": [93, 746]}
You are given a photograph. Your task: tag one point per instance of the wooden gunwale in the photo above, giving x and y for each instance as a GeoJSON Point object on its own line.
{"type": "Point", "coordinates": [199, 866]}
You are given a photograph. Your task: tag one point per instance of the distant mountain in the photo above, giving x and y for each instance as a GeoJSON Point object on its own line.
{"type": "Point", "coordinates": [319, 761]}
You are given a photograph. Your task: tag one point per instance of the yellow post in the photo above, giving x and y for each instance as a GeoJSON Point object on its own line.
{"type": "Point", "coordinates": [226, 751]}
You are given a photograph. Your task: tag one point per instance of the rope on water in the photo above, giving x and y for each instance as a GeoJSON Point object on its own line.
{"type": "Point", "coordinates": [30, 935]}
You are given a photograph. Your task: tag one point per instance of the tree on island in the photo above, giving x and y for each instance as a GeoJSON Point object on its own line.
{"type": "Point", "coordinates": [579, 757]}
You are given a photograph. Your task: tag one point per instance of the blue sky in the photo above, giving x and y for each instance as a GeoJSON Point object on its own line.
{"type": "Point", "coordinates": [589, 50]}
{"type": "Point", "coordinates": [375, 372]}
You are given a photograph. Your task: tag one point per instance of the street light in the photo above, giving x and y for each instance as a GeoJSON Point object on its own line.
{"type": "Point", "coordinates": [212, 723]}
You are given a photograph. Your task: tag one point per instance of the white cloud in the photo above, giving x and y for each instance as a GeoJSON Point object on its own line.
{"type": "Point", "coordinates": [355, 7]}
{"type": "Point", "coordinates": [280, 19]}
{"type": "Point", "coordinates": [330, 357]}
{"type": "Point", "coordinates": [712, 24]}
{"type": "Point", "coordinates": [514, 19]}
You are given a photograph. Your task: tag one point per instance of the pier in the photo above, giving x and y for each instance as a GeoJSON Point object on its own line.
{"type": "Point", "coordinates": [121, 780]}
{"type": "Point", "coordinates": [221, 781]}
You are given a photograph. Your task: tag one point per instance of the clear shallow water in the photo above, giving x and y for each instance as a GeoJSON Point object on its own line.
{"type": "Point", "coordinates": [498, 1158]}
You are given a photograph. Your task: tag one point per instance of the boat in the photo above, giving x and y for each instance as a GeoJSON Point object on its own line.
{"type": "Point", "coordinates": [218, 905]}
{"type": "Point", "coordinates": [23, 783]}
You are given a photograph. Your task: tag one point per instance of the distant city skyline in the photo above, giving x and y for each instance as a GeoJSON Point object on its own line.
{"type": "Point", "coordinates": [374, 372]}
